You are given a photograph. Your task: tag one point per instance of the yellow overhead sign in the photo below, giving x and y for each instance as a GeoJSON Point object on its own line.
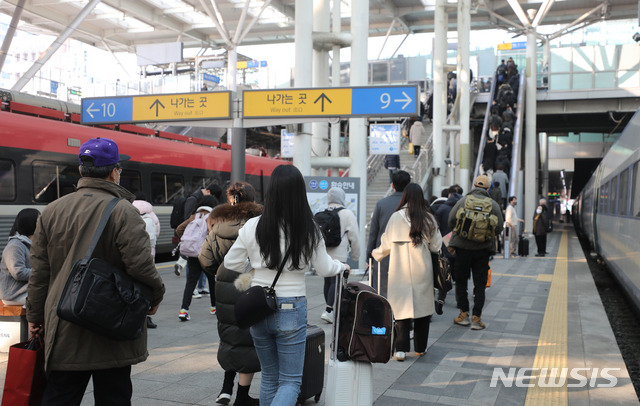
{"type": "Point", "coordinates": [297, 102]}
{"type": "Point", "coordinates": [186, 106]}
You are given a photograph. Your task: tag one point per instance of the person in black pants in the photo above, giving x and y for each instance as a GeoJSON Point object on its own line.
{"type": "Point", "coordinates": [540, 224]}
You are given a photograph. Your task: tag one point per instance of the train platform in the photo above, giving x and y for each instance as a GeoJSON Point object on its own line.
{"type": "Point", "coordinates": [541, 312]}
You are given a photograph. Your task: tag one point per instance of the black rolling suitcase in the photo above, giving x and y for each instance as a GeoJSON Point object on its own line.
{"type": "Point", "coordinates": [523, 246]}
{"type": "Point", "coordinates": [313, 372]}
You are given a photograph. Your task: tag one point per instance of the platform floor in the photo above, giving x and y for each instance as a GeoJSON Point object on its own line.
{"type": "Point", "coordinates": [540, 313]}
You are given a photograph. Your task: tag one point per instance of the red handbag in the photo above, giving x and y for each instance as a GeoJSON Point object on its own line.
{"type": "Point", "coordinates": [25, 379]}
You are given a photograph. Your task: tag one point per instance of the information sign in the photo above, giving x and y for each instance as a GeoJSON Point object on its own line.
{"type": "Point", "coordinates": [332, 102]}
{"type": "Point", "coordinates": [165, 107]}
{"type": "Point", "coordinates": [384, 139]}
{"type": "Point", "coordinates": [286, 144]}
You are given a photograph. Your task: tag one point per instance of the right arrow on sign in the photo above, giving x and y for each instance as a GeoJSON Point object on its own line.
{"type": "Point", "coordinates": [407, 99]}
{"type": "Point", "coordinates": [157, 104]}
{"type": "Point", "coordinates": [322, 97]}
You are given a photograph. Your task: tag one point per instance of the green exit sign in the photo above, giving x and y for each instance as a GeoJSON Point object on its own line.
{"type": "Point", "coordinates": [75, 92]}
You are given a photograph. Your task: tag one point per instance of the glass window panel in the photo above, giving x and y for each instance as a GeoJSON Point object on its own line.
{"type": "Point", "coordinates": [613, 196]}
{"type": "Point", "coordinates": [560, 81]}
{"type": "Point", "coordinates": [605, 80]}
{"type": "Point", "coordinates": [68, 178]}
{"type": "Point", "coordinates": [629, 57]}
{"type": "Point", "coordinates": [7, 180]}
{"type": "Point", "coordinates": [165, 188]}
{"type": "Point", "coordinates": [45, 182]}
{"type": "Point", "coordinates": [560, 60]}
{"type": "Point", "coordinates": [636, 191]}
{"type": "Point", "coordinates": [130, 180]}
{"type": "Point", "coordinates": [624, 193]}
{"type": "Point", "coordinates": [380, 72]}
{"type": "Point", "coordinates": [629, 78]}
{"type": "Point", "coordinates": [605, 58]}
{"type": "Point", "coordinates": [398, 69]}
{"type": "Point", "coordinates": [582, 59]}
{"type": "Point", "coordinates": [582, 81]}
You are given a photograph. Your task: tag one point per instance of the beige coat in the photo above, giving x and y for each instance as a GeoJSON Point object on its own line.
{"type": "Point", "coordinates": [410, 272]}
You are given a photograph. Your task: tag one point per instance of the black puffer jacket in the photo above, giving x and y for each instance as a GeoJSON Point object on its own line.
{"type": "Point", "coordinates": [236, 351]}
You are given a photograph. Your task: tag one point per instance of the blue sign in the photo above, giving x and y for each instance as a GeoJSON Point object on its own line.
{"type": "Point", "coordinates": [384, 101]}
{"type": "Point", "coordinates": [210, 78]}
{"type": "Point", "coordinates": [313, 184]}
{"type": "Point", "coordinates": [519, 45]}
{"type": "Point", "coordinates": [324, 185]}
{"type": "Point", "coordinates": [54, 87]}
{"type": "Point", "coordinates": [108, 109]}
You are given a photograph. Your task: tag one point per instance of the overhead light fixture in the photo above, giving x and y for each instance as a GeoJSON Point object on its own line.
{"type": "Point", "coordinates": [519, 12]}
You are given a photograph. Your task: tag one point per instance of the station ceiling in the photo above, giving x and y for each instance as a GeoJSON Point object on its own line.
{"type": "Point", "coordinates": [121, 25]}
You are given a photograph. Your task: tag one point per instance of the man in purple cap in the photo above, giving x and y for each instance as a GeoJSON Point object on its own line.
{"type": "Point", "coordinates": [74, 354]}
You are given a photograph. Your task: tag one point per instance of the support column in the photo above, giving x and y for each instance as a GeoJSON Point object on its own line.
{"type": "Point", "coordinates": [357, 126]}
{"type": "Point", "coordinates": [530, 163]}
{"type": "Point", "coordinates": [13, 25]}
{"type": "Point", "coordinates": [464, 85]}
{"type": "Point", "coordinates": [319, 130]}
{"type": "Point", "coordinates": [236, 136]}
{"type": "Point", "coordinates": [304, 55]}
{"type": "Point", "coordinates": [544, 163]}
{"type": "Point", "coordinates": [46, 55]}
{"type": "Point", "coordinates": [439, 94]}
{"type": "Point", "coordinates": [335, 77]}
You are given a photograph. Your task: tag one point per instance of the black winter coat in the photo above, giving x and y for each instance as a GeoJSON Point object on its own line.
{"type": "Point", "coordinates": [236, 351]}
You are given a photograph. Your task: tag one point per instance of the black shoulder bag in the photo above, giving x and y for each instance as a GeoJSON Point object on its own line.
{"type": "Point", "coordinates": [258, 302]}
{"type": "Point", "coordinates": [103, 298]}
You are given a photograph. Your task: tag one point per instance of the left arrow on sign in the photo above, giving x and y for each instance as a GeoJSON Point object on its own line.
{"type": "Point", "coordinates": [89, 110]}
{"type": "Point", "coordinates": [156, 104]}
{"type": "Point", "coordinates": [407, 99]}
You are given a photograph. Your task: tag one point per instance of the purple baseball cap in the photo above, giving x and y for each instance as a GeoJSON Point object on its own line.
{"type": "Point", "coordinates": [103, 151]}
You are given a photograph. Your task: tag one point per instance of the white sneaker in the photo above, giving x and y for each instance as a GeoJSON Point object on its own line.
{"type": "Point", "coordinates": [400, 356]}
{"type": "Point", "coordinates": [196, 295]}
{"type": "Point", "coordinates": [328, 317]}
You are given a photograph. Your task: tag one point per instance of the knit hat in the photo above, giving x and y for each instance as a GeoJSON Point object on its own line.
{"type": "Point", "coordinates": [336, 195]}
{"type": "Point", "coordinates": [482, 181]}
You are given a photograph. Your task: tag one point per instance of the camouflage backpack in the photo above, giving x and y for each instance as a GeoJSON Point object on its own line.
{"type": "Point", "coordinates": [474, 220]}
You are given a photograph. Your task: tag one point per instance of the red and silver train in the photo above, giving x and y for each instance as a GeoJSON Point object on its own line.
{"type": "Point", "coordinates": [607, 211]}
{"type": "Point", "coordinates": [39, 141]}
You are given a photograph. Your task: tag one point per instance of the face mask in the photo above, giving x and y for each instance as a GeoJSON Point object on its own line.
{"type": "Point", "coordinates": [538, 211]}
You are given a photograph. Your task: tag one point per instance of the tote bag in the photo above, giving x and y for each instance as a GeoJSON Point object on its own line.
{"type": "Point", "coordinates": [24, 382]}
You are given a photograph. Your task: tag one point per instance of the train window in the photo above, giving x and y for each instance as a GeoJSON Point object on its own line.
{"type": "Point", "coordinates": [602, 207]}
{"type": "Point", "coordinates": [623, 200]}
{"type": "Point", "coordinates": [613, 196]}
{"type": "Point", "coordinates": [7, 180]}
{"type": "Point", "coordinates": [636, 191]}
{"type": "Point", "coordinates": [198, 182]}
{"type": "Point", "coordinates": [165, 188]}
{"type": "Point", "coordinates": [130, 180]}
{"type": "Point", "coordinates": [51, 180]}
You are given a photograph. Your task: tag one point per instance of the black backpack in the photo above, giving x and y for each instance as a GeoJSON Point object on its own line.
{"type": "Point", "coordinates": [177, 213]}
{"type": "Point", "coordinates": [329, 223]}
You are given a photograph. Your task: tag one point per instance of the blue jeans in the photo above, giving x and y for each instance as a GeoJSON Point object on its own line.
{"type": "Point", "coordinates": [280, 343]}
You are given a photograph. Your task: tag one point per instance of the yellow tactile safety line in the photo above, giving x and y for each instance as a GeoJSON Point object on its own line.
{"type": "Point", "coordinates": [552, 344]}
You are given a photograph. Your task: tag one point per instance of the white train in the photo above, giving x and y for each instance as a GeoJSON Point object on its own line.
{"type": "Point", "coordinates": [607, 210]}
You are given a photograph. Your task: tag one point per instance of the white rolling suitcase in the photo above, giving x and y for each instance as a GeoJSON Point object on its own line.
{"type": "Point", "coordinates": [349, 383]}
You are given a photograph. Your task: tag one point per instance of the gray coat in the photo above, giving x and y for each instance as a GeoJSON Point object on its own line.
{"type": "Point", "coordinates": [459, 242]}
{"type": "Point", "coordinates": [15, 268]}
{"type": "Point", "coordinates": [379, 219]}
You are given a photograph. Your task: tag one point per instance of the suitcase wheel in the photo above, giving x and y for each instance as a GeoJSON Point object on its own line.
{"type": "Point", "coordinates": [317, 397]}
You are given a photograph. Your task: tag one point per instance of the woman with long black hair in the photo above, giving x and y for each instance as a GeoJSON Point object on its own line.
{"type": "Point", "coordinates": [286, 224]}
{"type": "Point", "coordinates": [410, 237]}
